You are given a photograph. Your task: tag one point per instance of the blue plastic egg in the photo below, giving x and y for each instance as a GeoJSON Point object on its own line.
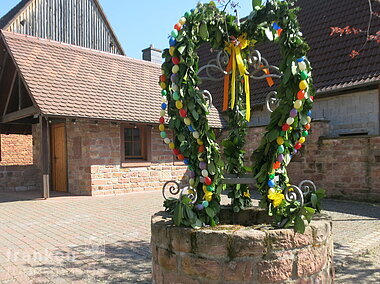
{"type": "Point", "coordinates": [275, 26]}
{"type": "Point", "coordinates": [271, 183]}
{"type": "Point", "coordinates": [301, 59]}
{"type": "Point", "coordinates": [172, 41]}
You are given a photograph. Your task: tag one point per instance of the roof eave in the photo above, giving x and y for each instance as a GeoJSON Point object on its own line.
{"type": "Point", "coordinates": [347, 88]}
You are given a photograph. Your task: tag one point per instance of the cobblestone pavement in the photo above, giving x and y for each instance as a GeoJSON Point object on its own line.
{"type": "Point", "coordinates": [106, 239]}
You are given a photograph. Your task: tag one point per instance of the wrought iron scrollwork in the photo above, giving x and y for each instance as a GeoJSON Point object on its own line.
{"type": "Point", "coordinates": [307, 187]}
{"type": "Point", "coordinates": [257, 64]}
{"type": "Point", "coordinates": [215, 68]}
{"type": "Point", "coordinates": [208, 97]}
{"type": "Point", "coordinates": [174, 189]}
{"type": "Point", "coordinates": [293, 193]}
{"type": "Point", "coordinates": [271, 101]}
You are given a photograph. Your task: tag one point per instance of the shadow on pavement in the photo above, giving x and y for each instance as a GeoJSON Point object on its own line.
{"type": "Point", "coordinates": [371, 210]}
{"type": "Point", "coordinates": [96, 262]}
{"type": "Point", "coordinates": [14, 196]}
{"type": "Point", "coordinates": [360, 269]}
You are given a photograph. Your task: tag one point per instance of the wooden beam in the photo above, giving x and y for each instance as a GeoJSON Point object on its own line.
{"type": "Point", "coordinates": [24, 129]}
{"type": "Point", "coordinates": [235, 179]}
{"type": "Point", "coordinates": [3, 65]}
{"type": "Point", "coordinates": [10, 92]}
{"type": "Point", "coordinates": [18, 114]}
{"type": "Point", "coordinates": [19, 93]}
{"type": "Point", "coordinates": [45, 156]}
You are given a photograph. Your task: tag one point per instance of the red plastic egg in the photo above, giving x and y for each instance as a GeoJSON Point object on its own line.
{"type": "Point", "coordinates": [285, 127]}
{"type": "Point", "coordinates": [201, 149]}
{"type": "Point", "coordinates": [175, 60]}
{"type": "Point", "coordinates": [181, 157]}
{"type": "Point", "coordinates": [178, 26]}
{"type": "Point", "coordinates": [301, 95]}
{"type": "Point", "coordinates": [162, 120]}
{"type": "Point", "coordinates": [298, 146]}
{"type": "Point", "coordinates": [176, 152]}
{"type": "Point", "coordinates": [162, 78]}
{"type": "Point", "coordinates": [307, 126]}
{"type": "Point", "coordinates": [182, 112]}
{"type": "Point", "coordinates": [208, 181]}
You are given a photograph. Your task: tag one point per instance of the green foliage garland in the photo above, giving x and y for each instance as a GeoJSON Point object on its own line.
{"type": "Point", "coordinates": [194, 142]}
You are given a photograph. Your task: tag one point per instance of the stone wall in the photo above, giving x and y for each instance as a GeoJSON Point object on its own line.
{"type": "Point", "coordinates": [95, 166]}
{"type": "Point", "coordinates": [237, 254]}
{"type": "Point", "coordinates": [17, 171]}
{"type": "Point", "coordinates": [347, 167]}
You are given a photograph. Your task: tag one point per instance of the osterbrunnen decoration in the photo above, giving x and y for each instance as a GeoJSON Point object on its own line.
{"type": "Point", "coordinates": [187, 108]}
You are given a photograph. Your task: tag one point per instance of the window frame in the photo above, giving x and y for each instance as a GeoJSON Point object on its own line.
{"type": "Point", "coordinates": [145, 144]}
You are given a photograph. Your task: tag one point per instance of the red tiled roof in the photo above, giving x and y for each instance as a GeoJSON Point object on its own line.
{"type": "Point", "coordinates": [72, 81]}
{"type": "Point", "coordinates": [333, 69]}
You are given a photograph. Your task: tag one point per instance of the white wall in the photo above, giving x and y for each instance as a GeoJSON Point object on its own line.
{"type": "Point", "coordinates": [348, 114]}
{"type": "Point", "coordinates": [352, 113]}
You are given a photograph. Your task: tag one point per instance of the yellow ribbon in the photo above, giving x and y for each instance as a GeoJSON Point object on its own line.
{"type": "Point", "coordinates": [237, 62]}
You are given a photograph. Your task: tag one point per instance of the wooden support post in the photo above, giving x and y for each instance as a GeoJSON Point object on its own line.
{"type": "Point", "coordinates": [45, 156]}
{"type": "Point", "coordinates": [4, 62]}
{"type": "Point", "coordinates": [19, 93]}
{"type": "Point", "coordinates": [10, 92]}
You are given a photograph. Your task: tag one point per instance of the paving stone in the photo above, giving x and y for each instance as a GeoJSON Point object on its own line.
{"type": "Point", "coordinates": [107, 239]}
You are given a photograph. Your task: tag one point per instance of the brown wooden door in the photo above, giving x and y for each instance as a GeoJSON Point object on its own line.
{"type": "Point", "coordinates": [59, 157]}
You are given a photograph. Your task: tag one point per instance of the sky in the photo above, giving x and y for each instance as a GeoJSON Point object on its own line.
{"type": "Point", "coordinates": [139, 23]}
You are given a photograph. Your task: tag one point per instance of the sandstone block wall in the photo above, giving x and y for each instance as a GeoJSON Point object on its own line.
{"type": "Point", "coordinates": [347, 167]}
{"type": "Point", "coordinates": [95, 166]}
{"type": "Point", "coordinates": [237, 254]}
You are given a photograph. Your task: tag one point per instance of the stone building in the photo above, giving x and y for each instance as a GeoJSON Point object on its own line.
{"type": "Point", "coordinates": [93, 117]}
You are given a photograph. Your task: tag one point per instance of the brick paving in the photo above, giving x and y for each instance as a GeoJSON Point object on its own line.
{"type": "Point", "coordinates": [70, 239]}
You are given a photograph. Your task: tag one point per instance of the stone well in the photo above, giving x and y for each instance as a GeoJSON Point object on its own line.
{"type": "Point", "coordinates": [243, 253]}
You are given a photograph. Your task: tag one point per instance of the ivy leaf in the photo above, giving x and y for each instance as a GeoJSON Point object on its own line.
{"type": "Point", "coordinates": [181, 49]}
{"type": "Point", "coordinates": [314, 200]}
{"type": "Point", "coordinates": [190, 213]}
{"type": "Point", "coordinates": [299, 225]}
{"type": "Point", "coordinates": [203, 31]}
{"type": "Point", "coordinates": [256, 4]}
{"type": "Point", "coordinates": [195, 114]}
{"type": "Point", "coordinates": [272, 135]}
{"type": "Point", "coordinates": [210, 212]}
{"type": "Point", "coordinates": [197, 224]}
{"type": "Point", "coordinates": [310, 210]}
{"type": "Point", "coordinates": [178, 216]}
{"type": "Point", "coordinates": [211, 168]}
{"type": "Point", "coordinates": [287, 74]}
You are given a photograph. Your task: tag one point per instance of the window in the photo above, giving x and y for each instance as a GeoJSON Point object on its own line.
{"type": "Point", "coordinates": [135, 143]}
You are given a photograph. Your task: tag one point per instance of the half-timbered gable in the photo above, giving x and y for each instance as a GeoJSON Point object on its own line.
{"type": "Point", "coordinates": [77, 22]}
